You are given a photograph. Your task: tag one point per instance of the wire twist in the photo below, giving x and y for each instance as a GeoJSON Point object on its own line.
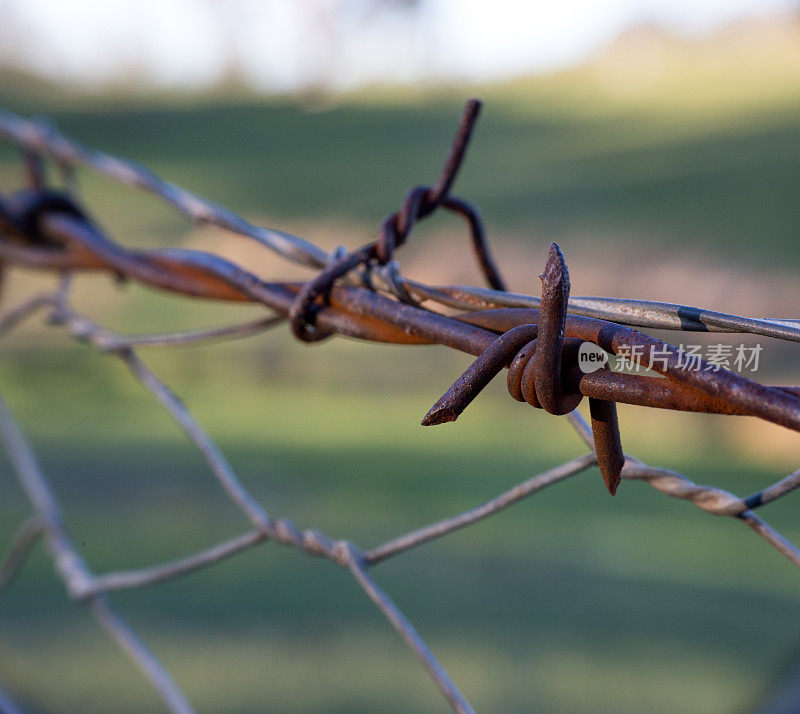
{"type": "Point", "coordinates": [537, 339]}
{"type": "Point", "coordinates": [419, 202]}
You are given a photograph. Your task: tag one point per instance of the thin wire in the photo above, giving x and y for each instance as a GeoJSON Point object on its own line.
{"type": "Point", "coordinates": [22, 542]}
{"type": "Point", "coordinates": [39, 138]}
{"type": "Point", "coordinates": [625, 311]}
{"type": "Point", "coordinates": [467, 518]}
{"type": "Point", "coordinates": [45, 139]}
{"type": "Point", "coordinates": [71, 566]}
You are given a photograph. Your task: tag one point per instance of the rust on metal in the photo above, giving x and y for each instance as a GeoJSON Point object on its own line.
{"type": "Point", "coordinates": [537, 360]}
{"type": "Point", "coordinates": [419, 202]}
{"type": "Point", "coordinates": [607, 445]}
{"type": "Point", "coordinates": [45, 229]}
{"type": "Point", "coordinates": [538, 340]}
{"type": "Point", "coordinates": [552, 318]}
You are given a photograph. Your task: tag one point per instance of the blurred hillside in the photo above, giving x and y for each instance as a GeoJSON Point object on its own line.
{"type": "Point", "coordinates": [749, 59]}
{"type": "Point", "coordinates": [659, 144]}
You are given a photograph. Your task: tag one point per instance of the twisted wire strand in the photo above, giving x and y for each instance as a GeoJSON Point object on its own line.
{"type": "Point", "coordinates": [669, 482]}
{"type": "Point", "coordinates": [85, 586]}
{"type": "Point", "coordinates": [41, 138]}
{"type": "Point", "coordinates": [363, 314]}
{"type": "Point", "coordinates": [626, 311]}
{"type": "Point", "coordinates": [88, 587]}
{"type": "Point", "coordinates": [355, 313]}
{"type": "Point", "coordinates": [71, 567]}
{"type": "Point", "coordinates": [712, 500]}
{"type": "Point", "coordinates": [44, 138]}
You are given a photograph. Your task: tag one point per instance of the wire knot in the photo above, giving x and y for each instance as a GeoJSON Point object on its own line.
{"type": "Point", "coordinates": [540, 361]}
{"type": "Point", "coordinates": [418, 203]}
{"type": "Point", "coordinates": [23, 211]}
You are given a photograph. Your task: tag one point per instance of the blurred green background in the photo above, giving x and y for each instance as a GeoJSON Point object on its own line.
{"type": "Point", "coordinates": [569, 601]}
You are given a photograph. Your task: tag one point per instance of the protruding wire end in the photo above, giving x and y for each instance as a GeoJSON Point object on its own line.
{"type": "Point", "coordinates": [471, 111]}
{"type": "Point", "coordinates": [607, 443]}
{"type": "Point", "coordinates": [547, 367]}
{"type": "Point", "coordinates": [555, 278]}
{"type": "Point", "coordinates": [612, 483]}
{"type": "Point", "coordinates": [469, 117]}
{"type": "Point", "coordinates": [457, 150]}
{"type": "Point", "coordinates": [439, 414]}
{"type": "Point", "coordinates": [485, 368]}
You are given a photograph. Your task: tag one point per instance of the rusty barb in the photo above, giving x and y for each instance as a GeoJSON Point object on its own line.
{"type": "Point", "coordinates": [544, 372]}
{"type": "Point", "coordinates": [536, 372]}
{"type": "Point", "coordinates": [419, 202]}
{"type": "Point", "coordinates": [362, 294]}
{"type": "Point", "coordinates": [45, 228]}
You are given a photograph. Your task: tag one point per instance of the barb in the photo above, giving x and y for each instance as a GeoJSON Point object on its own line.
{"type": "Point", "coordinates": [43, 138]}
{"type": "Point", "coordinates": [536, 339]}
{"type": "Point", "coordinates": [419, 203]}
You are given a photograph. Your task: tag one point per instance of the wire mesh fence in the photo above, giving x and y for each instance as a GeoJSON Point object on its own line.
{"type": "Point", "coordinates": [361, 294]}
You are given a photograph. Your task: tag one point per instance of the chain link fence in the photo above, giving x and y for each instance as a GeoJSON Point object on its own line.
{"type": "Point", "coordinates": [361, 294]}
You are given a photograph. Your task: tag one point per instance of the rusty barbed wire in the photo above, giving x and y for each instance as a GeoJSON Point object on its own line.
{"type": "Point", "coordinates": [363, 295]}
{"type": "Point", "coordinates": [419, 202]}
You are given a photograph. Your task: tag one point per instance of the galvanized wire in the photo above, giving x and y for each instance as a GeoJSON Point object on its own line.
{"type": "Point", "coordinates": [357, 311]}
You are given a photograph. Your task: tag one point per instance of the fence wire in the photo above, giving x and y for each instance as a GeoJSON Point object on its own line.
{"type": "Point", "coordinates": [359, 294]}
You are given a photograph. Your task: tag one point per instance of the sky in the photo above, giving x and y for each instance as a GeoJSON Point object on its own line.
{"type": "Point", "coordinates": [283, 45]}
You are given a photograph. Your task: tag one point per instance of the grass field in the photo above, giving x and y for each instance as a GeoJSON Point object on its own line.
{"type": "Point", "coordinates": [571, 601]}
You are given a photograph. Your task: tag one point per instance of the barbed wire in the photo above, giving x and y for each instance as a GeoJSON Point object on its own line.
{"type": "Point", "coordinates": [359, 294]}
